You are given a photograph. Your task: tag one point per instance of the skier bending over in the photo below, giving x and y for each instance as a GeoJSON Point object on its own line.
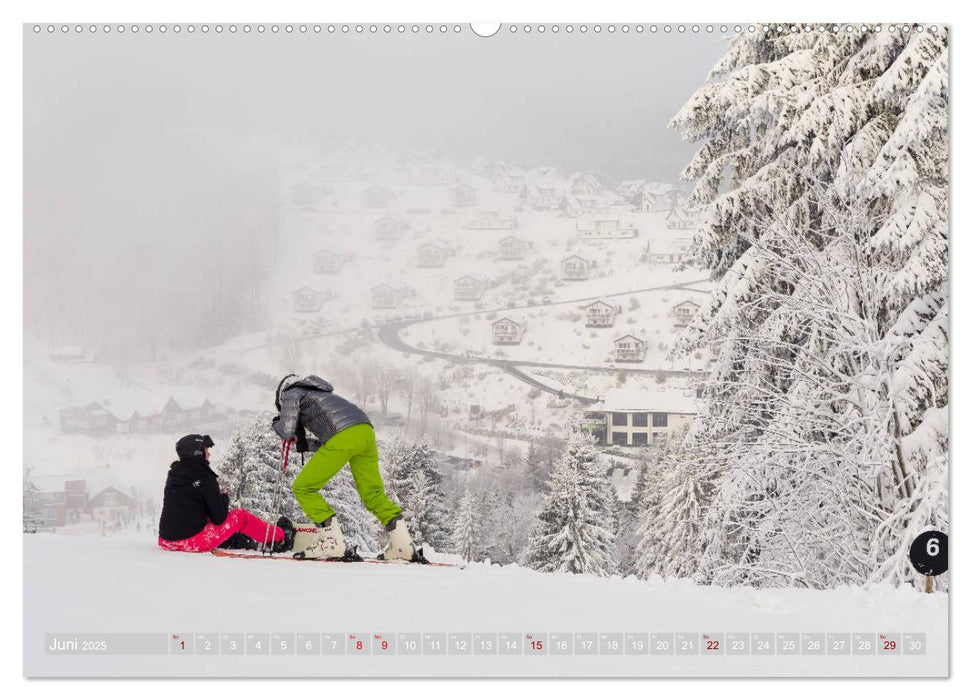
{"type": "Point", "coordinates": [195, 512]}
{"type": "Point", "coordinates": [345, 436]}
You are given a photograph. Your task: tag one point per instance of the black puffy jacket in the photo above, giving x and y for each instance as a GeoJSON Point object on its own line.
{"type": "Point", "coordinates": [192, 499]}
{"type": "Point", "coordinates": [312, 403]}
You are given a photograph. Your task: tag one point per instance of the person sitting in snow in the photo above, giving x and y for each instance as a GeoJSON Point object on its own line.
{"type": "Point", "coordinates": [195, 513]}
{"type": "Point", "coordinates": [345, 437]}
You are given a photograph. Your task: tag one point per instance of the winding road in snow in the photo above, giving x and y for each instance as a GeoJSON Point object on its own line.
{"type": "Point", "coordinates": [389, 334]}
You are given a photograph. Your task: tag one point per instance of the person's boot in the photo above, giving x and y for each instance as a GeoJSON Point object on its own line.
{"type": "Point", "coordinates": [400, 544]}
{"type": "Point", "coordinates": [289, 532]}
{"type": "Point", "coordinates": [329, 543]}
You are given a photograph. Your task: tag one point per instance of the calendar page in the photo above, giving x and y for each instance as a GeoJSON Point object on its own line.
{"type": "Point", "coordinates": [485, 350]}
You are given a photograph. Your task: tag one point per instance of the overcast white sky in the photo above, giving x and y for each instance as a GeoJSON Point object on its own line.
{"type": "Point", "coordinates": [145, 154]}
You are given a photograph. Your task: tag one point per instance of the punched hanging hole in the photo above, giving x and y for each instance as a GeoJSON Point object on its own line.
{"type": "Point", "coordinates": [485, 29]}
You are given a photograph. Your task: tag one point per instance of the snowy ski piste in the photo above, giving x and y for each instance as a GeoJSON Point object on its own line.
{"type": "Point", "coordinates": [124, 583]}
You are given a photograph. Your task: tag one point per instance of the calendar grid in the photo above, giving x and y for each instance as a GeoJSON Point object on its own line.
{"type": "Point", "coordinates": [376, 644]}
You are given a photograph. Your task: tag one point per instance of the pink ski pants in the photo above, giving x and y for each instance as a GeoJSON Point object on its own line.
{"type": "Point", "coordinates": [238, 520]}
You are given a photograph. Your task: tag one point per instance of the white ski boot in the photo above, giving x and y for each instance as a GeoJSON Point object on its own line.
{"type": "Point", "coordinates": [400, 544]}
{"type": "Point", "coordinates": [329, 543]}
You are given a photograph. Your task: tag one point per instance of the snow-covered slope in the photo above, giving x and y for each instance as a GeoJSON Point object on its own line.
{"type": "Point", "coordinates": [123, 583]}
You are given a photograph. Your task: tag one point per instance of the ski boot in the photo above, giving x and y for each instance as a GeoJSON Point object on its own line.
{"type": "Point", "coordinates": [289, 532]}
{"type": "Point", "coordinates": [400, 544]}
{"type": "Point", "coordinates": [329, 544]}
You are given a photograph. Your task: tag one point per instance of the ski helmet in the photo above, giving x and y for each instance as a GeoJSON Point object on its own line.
{"type": "Point", "coordinates": [284, 384]}
{"type": "Point", "coordinates": [192, 446]}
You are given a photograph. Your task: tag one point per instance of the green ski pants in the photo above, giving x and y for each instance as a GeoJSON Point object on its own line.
{"type": "Point", "coordinates": [355, 445]}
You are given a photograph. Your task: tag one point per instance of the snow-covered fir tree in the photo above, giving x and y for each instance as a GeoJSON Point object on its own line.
{"type": "Point", "coordinates": [821, 446]}
{"type": "Point", "coordinates": [467, 531]}
{"type": "Point", "coordinates": [251, 470]}
{"type": "Point", "coordinates": [577, 525]}
{"type": "Point", "coordinates": [414, 481]}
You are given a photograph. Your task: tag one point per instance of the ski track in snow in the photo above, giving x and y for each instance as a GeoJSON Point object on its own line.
{"type": "Point", "coordinates": [123, 583]}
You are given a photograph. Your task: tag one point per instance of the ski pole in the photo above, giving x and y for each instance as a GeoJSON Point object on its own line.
{"type": "Point", "coordinates": [276, 492]}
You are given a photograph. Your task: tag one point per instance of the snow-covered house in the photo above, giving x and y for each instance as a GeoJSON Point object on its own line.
{"type": "Point", "coordinates": [658, 196]}
{"type": "Point", "coordinates": [510, 177]}
{"type": "Point", "coordinates": [600, 314]}
{"type": "Point", "coordinates": [505, 331]}
{"type": "Point", "coordinates": [184, 411]}
{"type": "Point", "coordinates": [93, 419]}
{"type": "Point", "coordinates": [512, 248]}
{"type": "Point", "coordinates": [683, 312]}
{"type": "Point", "coordinates": [628, 189]}
{"type": "Point", "coordinates": [681, 218]}
{"type": "Point", "coordinates": [605, 226]}
{"type": "Point", "coordinates": [463, 195]}
{"type": "Point", "coordinates": [327, 262]}
{"type": "Point", "coordinates": [629, 348]}
{"type": "Point", "coordinates": [377, 197]}
{"type": "Point", "coordinates": [575, 268]}
{"type": "Point", "coordinates": [307, 300]}
{"type": "Point", "coordinates": [431, 255]}
{"type": "Point", "coordinates": [469, 288]}
{"type": "Point", "coordinates": [666, 251]}
{"type": "Point", "coordinates": [581, 184]}
{"type": "Point", "coordinates": [384, 296]}
{"type": "Point", "coordinates": [111, 505]}
{"type": "Point", "coordinates": [632, 417]}
{"type": "Point", "coordinates": [389, 228]}
{"type": "Point", "coordinates": [492, 220]}
{"type": "Point", "coordinates": [541, 196]}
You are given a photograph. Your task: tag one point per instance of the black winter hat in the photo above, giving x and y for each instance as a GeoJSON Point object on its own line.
{"type": "Point", "coordinates": [192, 446]}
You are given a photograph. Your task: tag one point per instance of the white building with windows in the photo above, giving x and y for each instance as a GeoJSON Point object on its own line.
{"type": "Point", "coordinates": [636, 418]}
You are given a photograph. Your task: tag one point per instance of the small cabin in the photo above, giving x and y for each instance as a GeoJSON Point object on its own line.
{"type": "Point", "coordinates": [683, 312]}
{"type": "Point", "coordinates": [575, 268]}
{"type": "Point", "coordinates": [384, 296]}
{"type": "Point", "coordinates": [431, 255]}
{"type": "Point", "coordinates": [463, 195]}
{"type": "Point", "coordinates": [658, 196]}
{"type": "Point", "coordinates": [511, 179]}
{"type": "Point", "coordinates": [600, 314]}
{"type": "Point", "coordinates": [93, 419]}
{"type": "Point", "coordinates": [505, 331]}
{"type": "Point", "coordinates": [584, 184]}
{"type": "Point", "coordinates": [681, 218]}
{"type": "Point", "coordinates": [469, 288]}
{"type": "Point", "coordinates": [306, 300]}
{"type": "Point", "coordinates": [388, 228]}
{"type": "Point", "coordinates": [512, 248]}
{"type": "Point", "coordinates": [328, 262]}
{"type": "Point", "coordinates": [111, 505]}
{"type": "Point", "coordinates": [667, 252]}
{"type": "Point", "coordinates": [542, 196]}
{"type": "Point", "coordinates": [605, 227]}
{"type": "Point", "coordinates": [629, 348]}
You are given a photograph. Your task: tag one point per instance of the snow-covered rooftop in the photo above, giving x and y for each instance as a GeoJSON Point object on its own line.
{"type": "Point", "coordinates": [642, 400]}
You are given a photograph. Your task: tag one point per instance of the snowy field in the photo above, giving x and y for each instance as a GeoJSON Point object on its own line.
{"type": "Point", "coordinates": [123, 583]}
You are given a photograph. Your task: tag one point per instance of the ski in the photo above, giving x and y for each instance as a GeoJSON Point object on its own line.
{"type": "Point", "coordinates": [252, 554]}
